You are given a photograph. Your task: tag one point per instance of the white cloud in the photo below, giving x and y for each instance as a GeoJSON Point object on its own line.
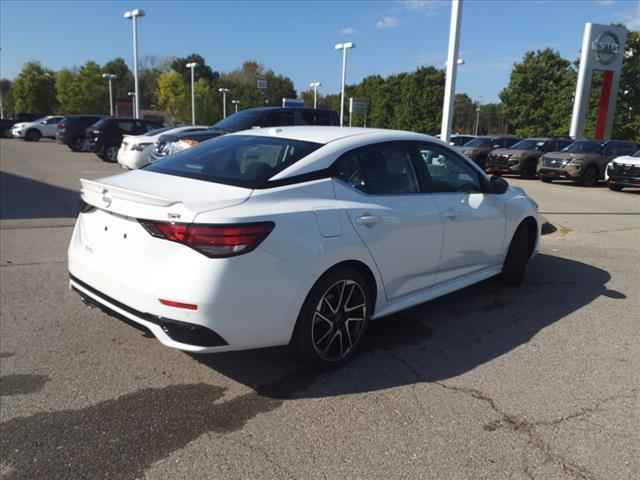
{"type": "Point", "coordinates": [631, 20]}
{"type": "Point", "coordinates": [347, 31]}
{"type": "Point", "coordinates": [428, 8]}
{"type": "Point", "coordinates": [387, 22]}
{"type": "Point", "coordinates": [606, 2]}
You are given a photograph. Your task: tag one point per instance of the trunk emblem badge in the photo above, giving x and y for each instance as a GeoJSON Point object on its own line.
{"type": "Point", "coordinates": [173, 215]}
{"type": "Point", "coordinates": [106, 200]}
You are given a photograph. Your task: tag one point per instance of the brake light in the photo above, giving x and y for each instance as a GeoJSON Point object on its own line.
{"type": "Point", "coordinates": [171, 303]}
{"type": "Point", "coordinates": [62, 125]}
{"type": "Point", "coordinates": [96, 131]}
{"type": "Point", "coordinates": [214, 241]}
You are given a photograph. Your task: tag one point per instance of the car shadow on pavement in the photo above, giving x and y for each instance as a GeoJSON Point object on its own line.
{"type": "Point", "coordinates": [434, 341]}
{"type": "Point", "coordinates": [23, 198]}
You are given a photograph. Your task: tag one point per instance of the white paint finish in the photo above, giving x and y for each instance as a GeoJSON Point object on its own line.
{"type": "Point", "coordinates": [328, 219]}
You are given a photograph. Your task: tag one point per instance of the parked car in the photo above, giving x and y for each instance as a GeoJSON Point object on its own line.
{"type": "Point", "coordinates": [477, 149]}
{"type": "Point", "coordinates": [104, 137]}
{"type": "Point", "coordinates": [295, 235]}
{"type": "Point", "coordinates": [244, 120]}
{"type": "Point", "coordinates": [135, 150]}
{"type": "Point", "coordinates": [522, 158]}
{"type": "Point", "coordinates": [459, 139]}
{"type": "Point", "coordinates": [71, 130]}
{"type": "Point", "coordinates": [623, 172]}
{"type": "Point", "coordinates": [583, 161]}
{"type": "Point", "coordinates": [34, 131]}
{"type": "Point", "coordinates": [6, 124]}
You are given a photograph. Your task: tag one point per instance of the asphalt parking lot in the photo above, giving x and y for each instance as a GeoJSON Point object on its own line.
{"type": "Point", "coordinates": [537, 382]}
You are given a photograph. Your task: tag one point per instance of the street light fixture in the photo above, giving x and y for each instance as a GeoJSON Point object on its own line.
{"type": "Point", "coordinates": [477, 116]}
{"type": "Point", "coordinates": [192, 66]}
{"type": "Point", "coordinates": [236, 103]}
{"type": "Point", "coordinates": [344, 47]}
{"type": "Point", "coordinates": [224, 92]}
{"type": "Point", "coordinates": [315, 86]}
{"type": "Point", "coordinates": [110, 76]}
{"type": "Point", "coordinates": [133, 15]}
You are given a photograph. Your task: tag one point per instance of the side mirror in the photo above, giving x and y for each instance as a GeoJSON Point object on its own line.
{"type": "Point", "coordinates": [496, 146]}
{"type": "Point", "coordinates": [497, 185]}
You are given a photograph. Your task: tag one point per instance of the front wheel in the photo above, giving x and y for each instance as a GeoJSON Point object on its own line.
{"type": "Point", "coordinates": [33, 135]}
{"type": "Point", "coordinates": [615, 188]}
{"type": "Point", "coordinates": [590, 176]}
{"type": "Point", "coordinates": [516, 259]}
{"type": "Point", "coordinates": [333, 319]}
{"type": "Point", "coordinates": [110, 153]}
{"type": "Point", "coordinates": [77, 145]}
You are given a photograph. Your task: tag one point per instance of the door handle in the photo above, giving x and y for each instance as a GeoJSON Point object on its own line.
{"type": "Point", "coordinates": [367, 220]}
{"type": "Point", "coordinates": [452, 214]}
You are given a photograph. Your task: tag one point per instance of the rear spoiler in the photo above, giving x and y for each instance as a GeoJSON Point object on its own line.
{"type": "Point", "coordinates": [102, 194]}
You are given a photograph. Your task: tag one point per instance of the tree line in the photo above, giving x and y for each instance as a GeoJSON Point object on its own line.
{"type": "Point", "coordinates": [537, 100]}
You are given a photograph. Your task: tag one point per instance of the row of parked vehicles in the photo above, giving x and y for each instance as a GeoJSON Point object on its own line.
{"type": "Point", "coordinates": [134, 143]}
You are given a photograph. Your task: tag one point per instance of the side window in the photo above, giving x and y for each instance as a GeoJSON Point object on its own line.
{"type": "Point", "coordinates": [511, 141]}
{"type": "Point", "coordinates": [448, 172]}
{"type": "Point", "coordinates": [315, 118]}
{"type": "Point", "coordinates": [127, 126]}
{"type": "Point", "coordinates": [381, 169]}
{"type": "Point", "coordinates": [279, 119]}
{"type": "Point", "coordinates": [564, 143]}
{"type": "Point", "coordinates": [610, 149]}
{"type": "Point", "coordinates": [626, 149]}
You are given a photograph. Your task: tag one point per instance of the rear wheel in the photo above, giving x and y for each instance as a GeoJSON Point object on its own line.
{"type": "Point", "coordinates": [110, 153]}
{"type": "Point", "coordinates": [33, 135]}
{"type": "Point", "coordinates": [590, 176]}
{"type": "Point", "coordinates": [77, 145]}
{"type": "Point", "coordinates": [615, 188]}
{"type": "Point", "coordinates": [333, 319]}
{"type": "Point", "coordinates": [517, 258]}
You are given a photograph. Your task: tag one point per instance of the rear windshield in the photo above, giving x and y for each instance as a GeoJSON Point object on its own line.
{"type": "Point", "coordinates": [238, 121]}
{"type": "Point", "coordinates": [528, 144]}
{"type": "Point", "coordinates": [240, 160]}
{"type": "Point", "coordinates": [479, 142]}
{"type": "Point", "coordinates": [583, 146]}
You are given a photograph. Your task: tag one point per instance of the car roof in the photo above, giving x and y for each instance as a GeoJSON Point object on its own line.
{"type": "Point", "coordinates": [325, 134]}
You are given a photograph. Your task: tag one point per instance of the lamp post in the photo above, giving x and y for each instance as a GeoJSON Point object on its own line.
{"type": "Point", "coordinates": [192, 66]}
{"type": "Point", "coordinates": [475, 129]}
{"type": "Point", "coordinates": [110, 76]}
{"type": "Point", "coordinates": [344, 47]}
{"type": "Point", "coordinates": [133, 15]}
{"type": "Point", "coordinates": [236, 103]}
{"type": "Point", "coordinates": [224, 92]}
{"type": "Point", "coordinates": [452, 67]}
{"type": "Point", "coordinates": [315, 86]}
{"type": "Point", "coordinates": [133, 101]}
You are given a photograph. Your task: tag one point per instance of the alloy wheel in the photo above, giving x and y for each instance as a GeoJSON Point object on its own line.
{"type": "Point", "coordinates": [339, 320]}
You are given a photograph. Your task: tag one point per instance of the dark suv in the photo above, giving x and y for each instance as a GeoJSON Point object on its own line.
{"type": "Point", "coordinates": [244, 120]}
{"type": "Point", "coordinates": [583, 161]}
{"type": "Point", "coordinates": [522, 158]}
{"type": "Point", "coordinates": [71, 129]}
{"type": "Point", "coordinates": [105, 136]}
{"type": "Point", "coordinates": [478, 148]}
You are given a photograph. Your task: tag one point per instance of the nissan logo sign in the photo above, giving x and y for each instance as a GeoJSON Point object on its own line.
{"type": "Point", "coordinates": [606, 47]}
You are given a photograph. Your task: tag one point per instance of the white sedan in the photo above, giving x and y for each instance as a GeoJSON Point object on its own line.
{"type": "Point", "coordinates": [295, 235]}
{"type": "Point", "coordinates": [135, 150]}
{"type": "Point", "coordinates": [34, 131]}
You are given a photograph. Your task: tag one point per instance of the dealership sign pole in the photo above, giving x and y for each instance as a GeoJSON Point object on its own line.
{"type": "Point", "coordinates": [452, 66]}
{"type": "Point", "coordinates": [602, 50]}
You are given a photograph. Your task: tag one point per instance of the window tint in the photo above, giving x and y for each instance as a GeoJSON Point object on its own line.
{"type": "Point", "coordinates": [447, 171]}
{"type": "Point", "coordinates": [610, 148]}
{"type": "Point", "coordinates": [278, 119]}
{"type": "Point", "coordinates": [315, 118]}
{"type": "Point", "coordinates": [127, 126]}
{"type": "Point", "coordinates": [242, 160]}
{"type": "Point", "coordinates": [626, 148]}
{"type": "Point", "coordinates": [378, 169]}
{"type": "Point", "coordinates": [510, 141]}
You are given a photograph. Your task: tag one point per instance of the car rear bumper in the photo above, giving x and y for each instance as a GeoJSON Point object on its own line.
{"type": "Point", "coordinates": [248, 301]}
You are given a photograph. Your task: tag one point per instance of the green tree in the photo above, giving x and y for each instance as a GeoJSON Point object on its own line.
{"type": "Point", "coordinates": [464, 117]}
{"type": "Point", "coordinates": [626, 124]}
{"type": "Point", "coordinates": [34, 89]}
{"type": "Point", "coordinates": [172, 96]}
{"type": "Point", "coordinates": [66, 92]}
{"type": "Point", "coordinates": [203, 70]}
{"type": "Point", "coordinates": [123, 83]}
{"type": "Point", "coordinates": [537, 100]}
{"type": "Point", "coordinates": [7, 97]}
{"type": "Point", "coordinates": [207, 106]}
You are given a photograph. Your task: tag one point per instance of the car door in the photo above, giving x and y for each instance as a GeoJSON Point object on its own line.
{"type": "Point", "coordinates": [474, 221]}
{"type": "Point", "coordinates": [49, 127]}
{"type": "Point", "coordinates": [397, 221]}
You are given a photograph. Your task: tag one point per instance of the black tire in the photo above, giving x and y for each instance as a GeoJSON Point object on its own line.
{"type": "Point", "coordinates": [545, 179]}
{"type": "Point", "coordinates": [33, 135]}
{"type": "Point", "coordinates": [101, 157]}
{"type": "Point", "coordinates": [528, 171]}
{"type": "Point", "coordinates": [110, 153]}
{"type": "Point", "coordinates": [7, 134]}
{"type": "Point", "coordinates": [615, 188]}
{"type": "Point", "coordinates": [326, 336]}
{"type": "Point", "coordinates": [590, 176]}
{"type": "Point", "coordinates": [517, 257]}
{"type": "Point", "coordinates": [77, 145]}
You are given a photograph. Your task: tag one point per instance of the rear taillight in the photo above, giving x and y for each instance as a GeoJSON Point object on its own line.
{"type": "Point", "coordinates": [62, 125]}
{"type": "Point", "coordinates": [214, 241]}
{"type": "Point", "coordinates": [96, 131]}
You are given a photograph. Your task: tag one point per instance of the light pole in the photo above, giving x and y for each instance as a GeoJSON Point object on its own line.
{"type": "Point", "coordinates": [452, 67]}
{"type": "Point", "coordinates": [315, 86]}
{"type": "Point", "coordinates": [475, 129]}
{"type": "Point", "coordinates": [236, 103]}
{"type": "Point", "coordinates": [133, 101]}
{"type": "Point", "coordinates": [133, 15]}
{"type": "Point", "coordinates": [224, 92]}
{"type": "Point", "coordinates": [192, 66]}
{"type": "Point", "coordinates": [344, 47]}
{"type": "Point", "coordinates": [110, 76]}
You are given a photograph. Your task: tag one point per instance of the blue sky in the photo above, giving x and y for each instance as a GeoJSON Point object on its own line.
{"type": "Point", "coordinates": [297, 38]}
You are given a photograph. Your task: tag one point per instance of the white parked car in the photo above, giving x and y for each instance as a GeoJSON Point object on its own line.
{"type": "Point", "coordinates": [295, 235]}
{"type": "Point", "coordinates": [135, 150]}
{"type": "Point", "coordinates": [34, 131]}
{"type": "Point", "coordinates": [623, 172]}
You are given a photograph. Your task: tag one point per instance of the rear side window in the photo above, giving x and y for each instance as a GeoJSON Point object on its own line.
{"type": "Point", "coordinates": [278, 119]}
{"type": "Point", "coordinates": [625, 148]}
{"type": "Point", "coordinates": [315, 118]}
{"type": "Point", "coordinates": [241, 160]}
{"type": "Point", "coordinates": [380, 169]}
